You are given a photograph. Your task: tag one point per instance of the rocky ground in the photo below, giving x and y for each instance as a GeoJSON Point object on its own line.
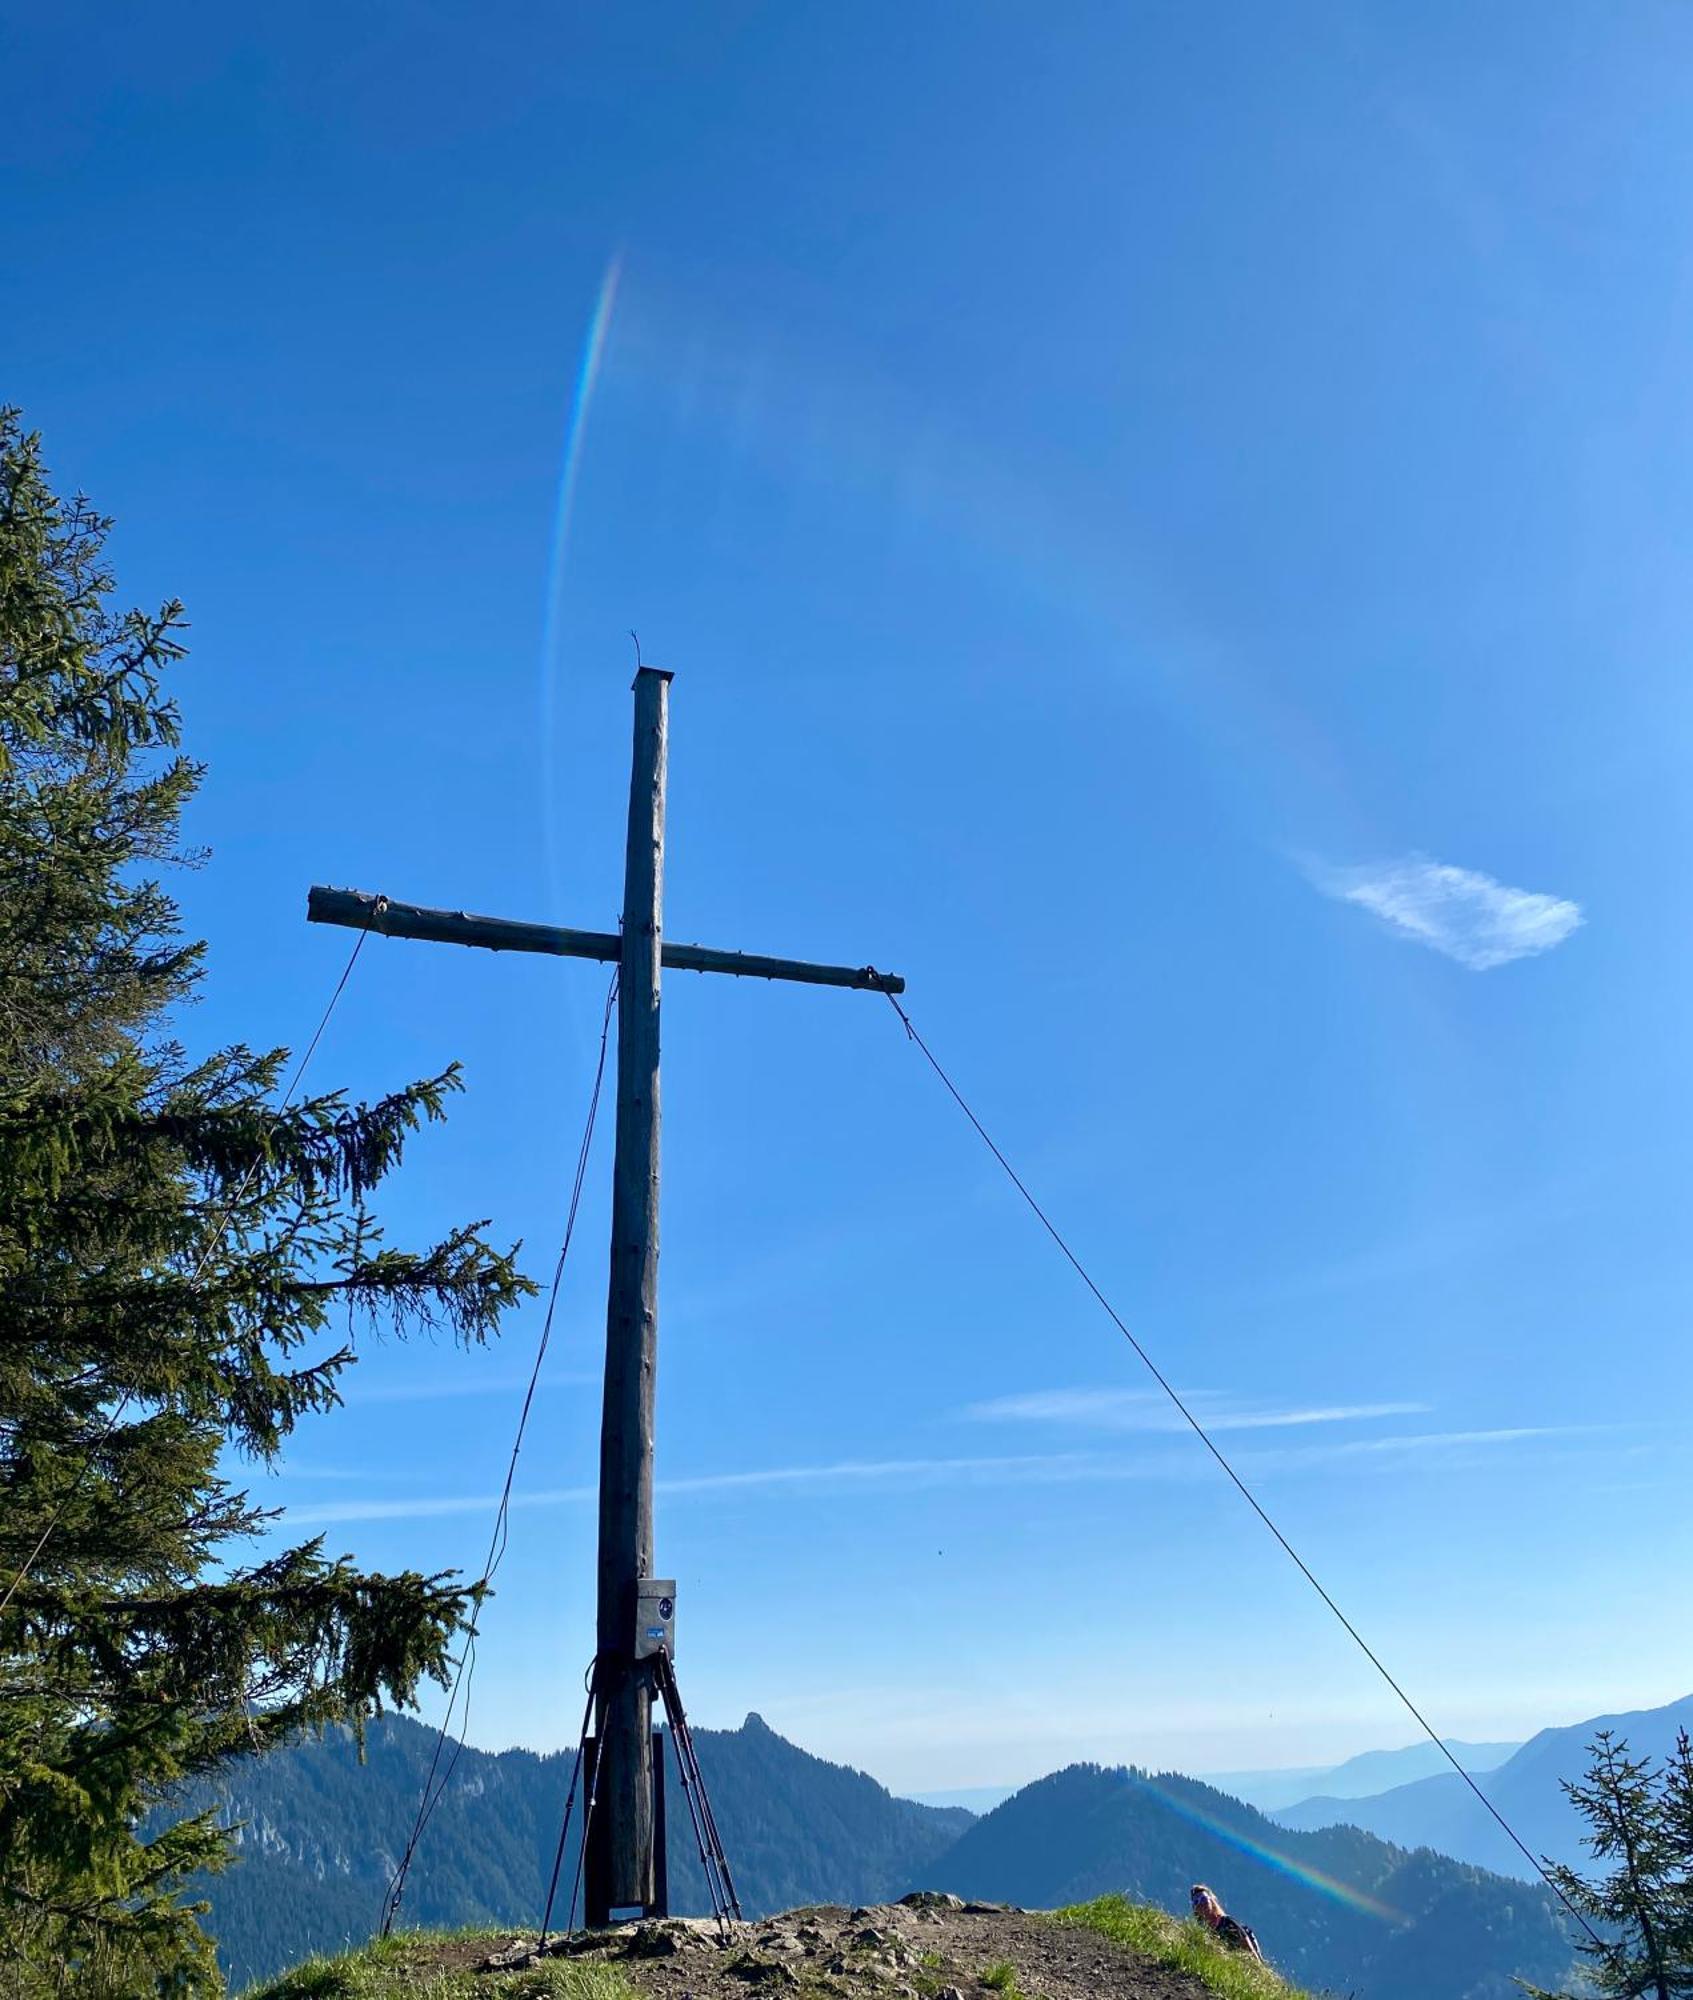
{"type": "Point", "coordinates": [929, 1947]}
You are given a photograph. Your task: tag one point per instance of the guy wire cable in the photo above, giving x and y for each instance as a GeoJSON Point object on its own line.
{"type": "Point", "coordinates": [465, 1672]}
{"type": "Point", "coordinates": [1234, 1477]}
{"type": "Point", "coordinates": [223, 1221]}
{"type": "Point", "coordinates": [569, 1807]}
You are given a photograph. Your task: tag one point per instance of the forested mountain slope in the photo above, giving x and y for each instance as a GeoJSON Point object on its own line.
{"type": "Point", "coordinates": [323, 1831]}
{"type": "Point", "coordinates": [1336, 1909]}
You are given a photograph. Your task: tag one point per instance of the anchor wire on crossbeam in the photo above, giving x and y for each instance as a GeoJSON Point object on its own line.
{"type": "Point", "coordinates": [437, 1778]}
{"type": "Point", "coordinates": [1234, 1477]}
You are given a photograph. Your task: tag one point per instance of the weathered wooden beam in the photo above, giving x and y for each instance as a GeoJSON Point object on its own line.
{"type": "Point", "coordinates": [360, 911]}
{"type": "Point", "coordinates": [624, 1691]}
{"type": "Point", "coordinates": [749, 965]}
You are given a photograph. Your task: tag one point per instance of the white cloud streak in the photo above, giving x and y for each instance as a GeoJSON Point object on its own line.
{"type": "Point", "coordinates": [1148, 1410]}
{"type": "Point", "coordinates": [435, 1389]}
{"type": "Point", "coordinates": [905, 1474]}
{"type": "Point", "coordinates": [850, 1472]}
{"type": "Point", "coordinates": [1424, 1441]}
{"type": "Point", "coordinates": [1458, 911]}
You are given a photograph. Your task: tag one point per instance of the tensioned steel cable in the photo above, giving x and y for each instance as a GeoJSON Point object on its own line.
{"type": "Point", "coordinates": [1239, 1484]}
{"type": "Point", "coordinates": [436, 1780]}
{"type": "Point", "coordinates": [569, 1808]}
{"type": "Point", "coordinates": [206, 1255]}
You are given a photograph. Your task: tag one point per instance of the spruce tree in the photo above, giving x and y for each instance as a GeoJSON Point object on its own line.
{"type": "Point", "coordinates": [1677, 1800]}
{"type": "Point", "coordinates": [185, 1268]}
{"type": "Point", "coordinates": [1641, 1948]}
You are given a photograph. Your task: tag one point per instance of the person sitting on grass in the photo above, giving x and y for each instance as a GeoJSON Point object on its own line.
{"type": "Point", "coordinates": [1210, 1912]}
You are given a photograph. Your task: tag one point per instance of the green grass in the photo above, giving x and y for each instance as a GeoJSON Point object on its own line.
{"type": "Point", "coordinates": [438, 1965]}
{"type": "Point", "coordinates": [1184, 1947]}
{"type": "Point", "coordinates": [426, 1966]}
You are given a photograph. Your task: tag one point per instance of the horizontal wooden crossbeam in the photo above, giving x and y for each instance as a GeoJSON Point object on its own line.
{"type": "Point", "coordinates": [360, 911]}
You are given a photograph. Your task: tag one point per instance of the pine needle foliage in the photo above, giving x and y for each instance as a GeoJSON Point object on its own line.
{"type": "Point", "coordinates": [185, 1270]}
{"type": "Point", "coordinates": [1640, 1821]}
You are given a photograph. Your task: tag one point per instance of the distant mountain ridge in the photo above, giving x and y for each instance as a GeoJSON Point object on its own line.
{"type": "Point", "coordinates": [1270, 1791]}
{"type": "Point", "coordinates": [1359, 1777]}
{"type": "Point", "coordinates": [973, 1798]}
{"type": "Point", "coordinates": [1441, 1812]}
{"type": "Point", "coordinates": [1337, 1908]}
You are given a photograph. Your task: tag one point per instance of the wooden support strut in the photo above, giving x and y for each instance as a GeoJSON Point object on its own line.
{"type": "Point", "coordinates": [360, 911]}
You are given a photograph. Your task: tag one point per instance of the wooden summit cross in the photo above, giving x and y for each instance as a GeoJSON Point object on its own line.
{"type": "Point", "coordinates": [625, 1680]}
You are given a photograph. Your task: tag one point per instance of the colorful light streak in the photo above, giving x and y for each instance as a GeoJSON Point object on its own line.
{"type": "Point", "coordinates": [575, 429]}
{"type": "Point", "coordinates": [1283, 1864]}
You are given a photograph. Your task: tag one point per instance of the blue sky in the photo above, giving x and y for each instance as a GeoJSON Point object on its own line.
{"type": "Point", "coordinates": [1169, 526]}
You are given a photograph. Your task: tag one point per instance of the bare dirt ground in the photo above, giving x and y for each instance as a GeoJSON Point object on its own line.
{"type": "Point", "coordinates": [929, 1948]}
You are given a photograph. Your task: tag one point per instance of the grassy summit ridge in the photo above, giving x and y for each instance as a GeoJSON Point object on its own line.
{"type": "Point", "coordinates": [1183, 1946]}
{"type": "Point", "coordinates": [440, 1965]}
{"type": "Point", "coordinates": [931, 1947]}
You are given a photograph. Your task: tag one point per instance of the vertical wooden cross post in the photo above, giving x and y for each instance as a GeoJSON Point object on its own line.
{"type": "Point", "coordinates": [631, 1331]}
{"type": "Point", "coordinates": [624, 1680]}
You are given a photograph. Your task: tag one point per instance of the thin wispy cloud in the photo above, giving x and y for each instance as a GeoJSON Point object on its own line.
{"type": "Point", "coordinates": [435, 1389]}
{"type": "Point", "coordinates": [908, 1474]}
{"type": "Point", "coordinates": [419, 1508]}
{"type": "Point", "coordinates": [903, 1472]}
{"type": "Point", "coordinates": [1147, 1410]}
{"type": "Point", "coordinates": [1418, 1443]}
{"type": "Point", "coordinates": [1458, 911]}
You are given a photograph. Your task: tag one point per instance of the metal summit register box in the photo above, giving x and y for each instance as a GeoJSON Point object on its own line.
{"type": "Point", "coordinates": [655, 1616]}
